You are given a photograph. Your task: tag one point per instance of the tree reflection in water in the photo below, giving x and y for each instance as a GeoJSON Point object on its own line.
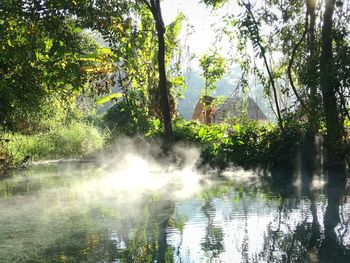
{"type": "Point", "coordinates": [212, 243]}
{"type": "Point", "coordinates": [226, 221]}
{"type": "Point", "coordinates": [324, 238]}
{"type": "Point", "coordinates": [305, 228]}
{"type": "Point", "coordinates": [332, 248]}
{"type": "Point", "coordinates": [148, 242]}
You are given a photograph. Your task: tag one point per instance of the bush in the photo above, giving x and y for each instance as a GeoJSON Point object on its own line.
{"type": "Point", "coordinates": [128, 117]}
{"type": "Point", "coordinates": [246, 144]}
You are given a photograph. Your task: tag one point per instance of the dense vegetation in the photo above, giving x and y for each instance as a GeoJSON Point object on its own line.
{"type": "Point", "coordinates": [54, 74]}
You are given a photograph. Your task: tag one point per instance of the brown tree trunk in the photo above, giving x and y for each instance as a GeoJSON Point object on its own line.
{"type": "Point", "coordinates": [329, 85]}
{"type": "Point", "coordinates": [154, 6]}
{"type": "Point", "coordinates": [312, 68]}
{"type": "Point", "coordinates": [164, 94]}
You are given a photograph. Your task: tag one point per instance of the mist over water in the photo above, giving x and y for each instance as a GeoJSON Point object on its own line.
{"type": "Point", "coordinates": [136, 205]}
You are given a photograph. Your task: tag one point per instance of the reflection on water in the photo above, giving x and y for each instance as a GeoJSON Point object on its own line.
{"type": "Point", "coordinates": [83, 213]}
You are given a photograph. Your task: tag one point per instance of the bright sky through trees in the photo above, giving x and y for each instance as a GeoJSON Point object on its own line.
{"type": "Point", "coordinates": [203, 20]}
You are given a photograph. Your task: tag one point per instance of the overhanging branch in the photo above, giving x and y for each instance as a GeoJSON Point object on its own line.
{"type": "Point", "coordinates": [290, 64]}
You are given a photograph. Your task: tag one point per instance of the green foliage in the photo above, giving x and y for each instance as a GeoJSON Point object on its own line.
{"type": "Point", "coordinates": [75, 140]}
{"type": "Point", "coordinates": [49, 62]}
{"type": "Point", "coordinates": [213, 67]}
{"type": "Point", "coordinates": [109, 98]}
{"type": "Point", "coordinates": [214, 3]}
{"type": "Point", "coordinates": [6, 156]}
{"type": "Point", "coordinates": [171, 37]}
{"type": "Point", "coordinates": [128, 117]}
{"type": "Point", "coordinates": [134, 45]}
{"type": "Point", "coordinates": [248, 144]}
{"type": "Point", "coordinates": [295, 30]}
{"type": "Point", "coordinates": [40, 72]}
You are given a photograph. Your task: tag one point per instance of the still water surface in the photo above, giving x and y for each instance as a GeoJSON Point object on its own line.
{"type": "Point", "coordinates": [88, 213]}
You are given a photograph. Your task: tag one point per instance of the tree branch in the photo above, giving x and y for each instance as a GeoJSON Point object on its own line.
{"type": "Point", "coordinates": [290, 64]}
{"type": "Point", "coordinates": [269, 72]}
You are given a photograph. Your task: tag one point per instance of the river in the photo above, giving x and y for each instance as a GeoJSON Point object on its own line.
{"type": "Point", "coordinates": [88, 212]}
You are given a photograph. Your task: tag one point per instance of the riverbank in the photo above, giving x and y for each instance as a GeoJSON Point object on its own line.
{"type": "Point", "coordinates": [248, 144]}
{"type": "Point", "coordinates": [76, 140]}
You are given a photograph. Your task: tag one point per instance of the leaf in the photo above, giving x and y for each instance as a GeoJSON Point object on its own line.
{"type": "Point", "coordinates": [99, 69]}
{"type": "Point", "coordinates": [202, 132]}
{"type": "Point", "coordinates": [105, 50]}
{"type": "Point", "coordinates": [108, 98]}
{"type": "Point", "coordinates": [48, 44]}
{"type": "Point", "coordinates": [240, 142]}
{"type": "Point", "coordinates": [156, 123]}
{"type": "Point", "coordinates": [237, 128]}
{"type": "Point", "coordinates": [179, 81]}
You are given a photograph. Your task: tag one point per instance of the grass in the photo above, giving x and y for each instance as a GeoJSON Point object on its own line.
{"type": "Point", "coordinates": [75, 140]}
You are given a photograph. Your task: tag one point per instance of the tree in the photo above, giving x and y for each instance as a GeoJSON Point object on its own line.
{"type": "Point", "coordinates": [213, 68]}
{"type": "Point", "coordinates": [155, 8]}
{"type": "Point", "coordinates": [253, 31]}
{"type": "Point", "coordinates": [119, 23]}
{"type": "Point", "coordinates": [313, 59]}
{"type": "Point", "coordinates": [40, 72]}
{"type": "Point", "coordinates": [329, 86]}
{"type": "Point", "coordinates": [125, 25]}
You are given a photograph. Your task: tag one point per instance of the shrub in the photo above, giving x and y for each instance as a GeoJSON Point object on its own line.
{"type": "Point", "coordinates": [246, 144]}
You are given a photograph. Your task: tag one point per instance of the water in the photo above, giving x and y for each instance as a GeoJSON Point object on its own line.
{"type": "Point", "coordinates": [88, 213]}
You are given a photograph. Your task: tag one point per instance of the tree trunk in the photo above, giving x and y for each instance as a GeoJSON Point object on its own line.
{"type": "Point", "coordinates": [164, 94]}
{"type": "Point", "coordinates": [329, 86]}
{"type": "Point", "coordinates": [154, 7]}
{"type": "Point", "coordinates": [312, 66]}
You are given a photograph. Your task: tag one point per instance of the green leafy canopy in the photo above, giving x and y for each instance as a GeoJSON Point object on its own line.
{"type": "Point", "coordinates": [213, 67]}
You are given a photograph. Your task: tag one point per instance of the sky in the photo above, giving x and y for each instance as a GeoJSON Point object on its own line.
{"type": "Point", "coordinates": [199, 16]}
{"type": "Point", "coordinates": [203, 21]}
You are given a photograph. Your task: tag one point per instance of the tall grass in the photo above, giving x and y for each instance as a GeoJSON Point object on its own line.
{"type": "Point", "coordinates": [75, 140]}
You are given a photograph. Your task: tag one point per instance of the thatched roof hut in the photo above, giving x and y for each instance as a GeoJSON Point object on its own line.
{"type": "Point", "coordinates": [232, 107]}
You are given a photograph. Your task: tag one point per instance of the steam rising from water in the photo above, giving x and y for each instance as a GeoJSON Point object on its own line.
{"type": "Point", "coordinates": [132, 169]}
{"type": "Point", "coordinates": [43, 202]}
